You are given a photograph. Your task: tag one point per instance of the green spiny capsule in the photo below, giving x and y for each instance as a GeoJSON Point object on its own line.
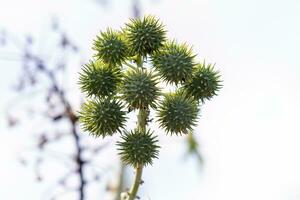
{"type": "Point", "coordinates": [174, 62]}
{"type": "Point", "coordinates": [111, 47]}
{"type": "Point", "coordinates": [178, 113]}
{"type": "Point", "coordinates": [139, 89]}
{"type": "Point", "coordinates": [138, 148]}
{"type": "Point", "coordinates": [205, 82]}
{"type": "Point", "coordinates": [102, 117]}
{"type": "Point", "coordinates": [99, 79]}
{"type": "Point", "coordinates": [145, 36]}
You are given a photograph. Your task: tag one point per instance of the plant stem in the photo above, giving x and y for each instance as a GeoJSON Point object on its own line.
{"type": "Point", "coordinates": [141, 126]}
{"type": "Point", "coordinates": [139, 61]}
{"type": "Point", "coordinates": [137, 182]}
{"type": "Point", "coordinates": [142, 120]}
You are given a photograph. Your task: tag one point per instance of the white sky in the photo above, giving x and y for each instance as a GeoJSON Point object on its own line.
{"type": "Point", "coordinates": [249, 133]}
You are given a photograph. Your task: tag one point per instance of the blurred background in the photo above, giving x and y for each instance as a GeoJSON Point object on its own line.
{"type": "Point", "coordinates": [246, 145]}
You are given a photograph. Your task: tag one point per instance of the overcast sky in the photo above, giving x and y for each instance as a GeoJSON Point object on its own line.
{"type": "Point", "coordinates": [249, 133]}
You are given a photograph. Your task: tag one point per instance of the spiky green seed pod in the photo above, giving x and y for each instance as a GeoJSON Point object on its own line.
{"type": "Point", "coordinates": [102, 117]}
{"type": "Point", "coordinates": [139, 89]}
{"type": "Point", "coordinates": [138, 148]}
{"type": "Point", "coordinates": [178, 113]}
{"type": "Point", "coordinates": [99, 79]}
{"type": "Point", "coordinates": [174, 62]}
{"type": "Point", "coordinates": [111, 47]}
{"type": "Point", "coordinates": [145, 36]}
{"type": "Point", "coordinates": [205, 82]}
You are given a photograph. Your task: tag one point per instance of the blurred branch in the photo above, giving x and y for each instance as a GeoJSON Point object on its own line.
{"type": "Point", "coordinates": [193, 148]}
{"type": "Point", "coordinates": [35, 66]}
{"type": "Point", "coordinates": [121, 182]}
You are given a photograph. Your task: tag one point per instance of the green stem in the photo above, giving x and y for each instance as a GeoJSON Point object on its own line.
{"type": "Point", "coordinates": [141, 126]}
{"type": "Point", "coordinates": [139, 61]}
{"type": "Point", "coordinates": [193, 147]}
{"type": "Point", "coordinates": [142, 120]}
{"type": "Point", "coordinates": [137, 182]}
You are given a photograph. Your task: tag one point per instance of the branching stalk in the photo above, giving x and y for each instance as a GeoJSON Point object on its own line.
{"type": "Point", "coordinates": [141, 126]}
{"type": "Point", "coordinates": [172, 62]}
